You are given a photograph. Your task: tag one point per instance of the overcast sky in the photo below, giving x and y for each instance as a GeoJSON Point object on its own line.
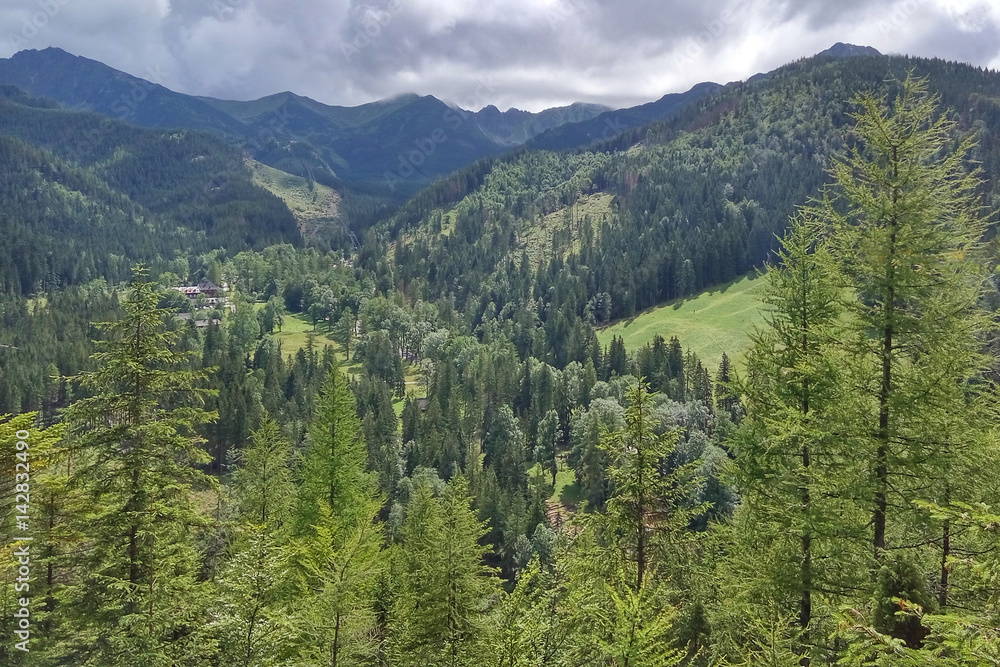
{"type": "Point", "coordinates": [529, 54]}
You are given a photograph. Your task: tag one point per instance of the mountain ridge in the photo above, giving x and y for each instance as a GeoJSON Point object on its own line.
{"type": "Point", "coordinates": [392, 147]}
{"type": "Point", "coordinates": [335, 145]}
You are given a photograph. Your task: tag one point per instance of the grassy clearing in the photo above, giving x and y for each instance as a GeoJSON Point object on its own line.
{"type": "Point", "coordinates": [312, 205]}
{"type": "Point", "coordinates": [567, 491]}
{"type": "Point", "coordinates": [294, 336]}
{"type": "Point", "coordinates": [715, 321]}
{"type": "Point", "coordinates": [538, 238]}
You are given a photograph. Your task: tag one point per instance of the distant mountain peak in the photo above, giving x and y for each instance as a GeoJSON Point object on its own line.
{"type": "Point", "coordinates": [842, 50]}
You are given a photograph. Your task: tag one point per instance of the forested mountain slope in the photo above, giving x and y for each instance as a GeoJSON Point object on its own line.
{"type": "Point", "coordinates": [466, 475]}
{"type": "Point", "coordinates": [85, 197]}
{"type": "Point", "coordinates": [697, 200]}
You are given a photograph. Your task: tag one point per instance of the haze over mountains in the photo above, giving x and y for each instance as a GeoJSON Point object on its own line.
{"type": "Point", "coordinates": [392, 146]}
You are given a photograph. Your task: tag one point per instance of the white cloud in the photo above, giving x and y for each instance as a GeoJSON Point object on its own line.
{"type": "Point", "coordinates": [538, 52]}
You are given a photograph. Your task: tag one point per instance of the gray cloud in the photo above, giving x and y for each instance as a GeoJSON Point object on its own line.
{"type": "Point", "coordinates": [524, 53]}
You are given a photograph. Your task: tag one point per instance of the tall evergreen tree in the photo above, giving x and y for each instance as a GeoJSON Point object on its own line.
{"type": "Point", "coordinates": [335, 550]}
{"type": "Point", "coordinates": [137, 599]}
{"type": "Point", "coordinates": [251, 620]}
{"type": "Point", "coordinates": [263, 483]}
{"type": "Point", "coordinates": [787, 465]}
{"type": "Point", "coordinates": [449, 591]}
{"type": "Point", "coordinates": [905, 237]}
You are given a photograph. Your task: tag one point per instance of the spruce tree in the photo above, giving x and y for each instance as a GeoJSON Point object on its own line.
{"type": "Point", "coordinates": [137, 599]}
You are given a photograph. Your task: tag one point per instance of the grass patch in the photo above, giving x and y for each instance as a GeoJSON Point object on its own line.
{"type": "Point", "coordinates": [567, 491]}
{"type": "Point", "coordinates": [314, 205]}
{"type": "Point", "coordinates": [294, 335]}
{"type": "Point", "coordinates": [717, 320]}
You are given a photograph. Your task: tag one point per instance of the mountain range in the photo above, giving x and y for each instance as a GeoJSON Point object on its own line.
{"type": "Point", "coordinates": [390, 147]}
{"type": "Point", "coordinates": [646, 204]}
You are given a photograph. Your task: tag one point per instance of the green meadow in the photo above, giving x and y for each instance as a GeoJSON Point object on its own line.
{"type": "Point", "coordinates": [717, 320]}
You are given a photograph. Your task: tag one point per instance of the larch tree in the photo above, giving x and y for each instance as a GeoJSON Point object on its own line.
{"type": "Point", "coordinates": [251, 619]}
{"type": "Point", "coordinates": [448, 590]}
{"type": "Point", "coordinates": [336, 541]}
{"type": "Point", "coordinates": [865, 395]}
{"type": "Point", "coordinates": [905, 231]}
{"type": "Point", "coordinates": [787, 463]}
{"type": "Point", "coordinates": [624, 565]}
{"type": "Point", "coordinates": [262, 482]}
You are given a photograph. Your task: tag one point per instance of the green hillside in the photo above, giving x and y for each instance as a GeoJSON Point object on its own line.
{"type": "Point", "coordinates": [715, 321]}
{"type": "Point", "coordinates": [85, 197]}
{"type": "Point", "coordinates": [314, 205]}
{"type": "Point", "coordinates": [693, 202]}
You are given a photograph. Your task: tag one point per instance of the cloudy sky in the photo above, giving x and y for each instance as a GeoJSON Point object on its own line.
{"type": "Point", "coordinates": [529, 54]}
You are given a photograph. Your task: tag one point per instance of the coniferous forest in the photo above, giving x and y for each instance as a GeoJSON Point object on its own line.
{"type": "Point", "coordinates": [413, 451]}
